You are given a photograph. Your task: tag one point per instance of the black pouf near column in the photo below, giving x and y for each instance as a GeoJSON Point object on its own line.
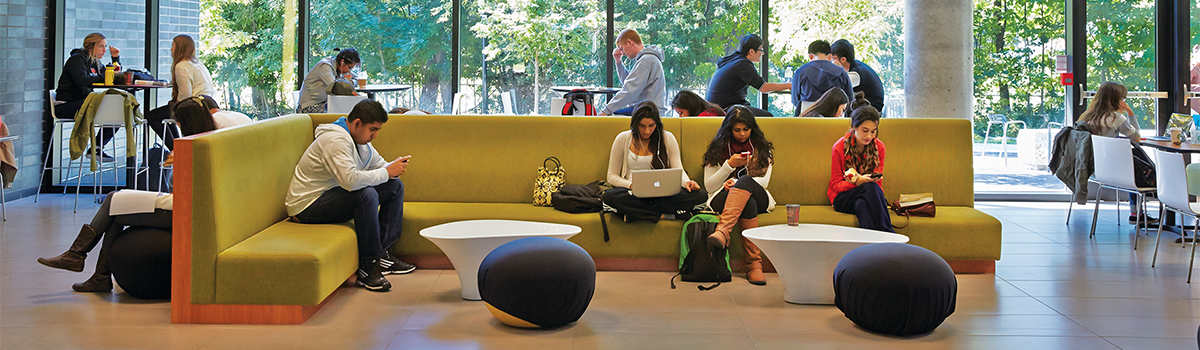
{"type": "Point", "coordinates": [895, 288]}
{"type": "Point", "coordinates": [140, 260]}
{"type": "Point", "coordinates": [537, 282]}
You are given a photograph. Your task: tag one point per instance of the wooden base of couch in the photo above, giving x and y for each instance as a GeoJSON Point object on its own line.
{"type": "Point", "coordinates": [672, 265]}
{"type": "Point", "coordinates": [245, 314]}
{"type": "Point", "coordinates": [972, 266]}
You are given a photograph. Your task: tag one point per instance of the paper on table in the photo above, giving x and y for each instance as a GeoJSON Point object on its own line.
{"type": "Point", "coordinates": [132, 202]}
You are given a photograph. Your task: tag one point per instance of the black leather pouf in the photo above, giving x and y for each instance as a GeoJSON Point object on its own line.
{"type": "Point", "coordinates": [140, 260]}
{"type": "Point", "coordinates": [895, 288]}
{"type": "Point", "coordinates": [537, 282]}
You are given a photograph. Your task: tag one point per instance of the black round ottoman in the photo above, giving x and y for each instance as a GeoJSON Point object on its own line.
{"type": "Point", "coordinates": [895, 288]}
{"type": "Point", "coordinates": [140, 259]}
{"type": "Point", "coordinates": [537, 282]}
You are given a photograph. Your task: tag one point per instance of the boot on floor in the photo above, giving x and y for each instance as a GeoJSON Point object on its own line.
{"type": "Point", "coordinates": [753, 255]}
{"type": "Point", "coordinates": [101, 280]}
{"type": "Point", "coordinates": [735, 201]}
{"type": "Point", "coordinates": [72, 259]}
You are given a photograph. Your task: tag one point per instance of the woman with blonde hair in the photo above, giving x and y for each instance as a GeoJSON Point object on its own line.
{"type": "Point", "coordinates": [189, 78]}
{"type": "Point", "coordinates": [81, 70]}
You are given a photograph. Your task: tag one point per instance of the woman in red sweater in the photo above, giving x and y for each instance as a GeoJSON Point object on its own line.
{"type": "Point", "coordinates": [857, 170]}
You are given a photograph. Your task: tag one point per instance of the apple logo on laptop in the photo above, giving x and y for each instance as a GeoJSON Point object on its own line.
{"type": "Point", "coordinates": [656, 184]}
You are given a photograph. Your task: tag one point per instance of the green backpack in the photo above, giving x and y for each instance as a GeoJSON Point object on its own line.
{"type": "Point", "coordinates": [698, 261]}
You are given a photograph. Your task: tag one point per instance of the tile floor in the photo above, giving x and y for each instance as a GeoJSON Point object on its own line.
{"type": "Point", "coordinates": [1054, 289]}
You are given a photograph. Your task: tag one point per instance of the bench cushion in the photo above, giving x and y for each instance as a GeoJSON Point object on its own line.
{"type": "Point", "coordinates": [287, 264]}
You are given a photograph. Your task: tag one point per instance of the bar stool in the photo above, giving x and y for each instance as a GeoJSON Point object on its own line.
{"type": "Point", "coordinates": [57, 130]}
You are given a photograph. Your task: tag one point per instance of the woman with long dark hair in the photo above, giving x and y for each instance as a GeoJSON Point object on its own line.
{"type": "Point", "coordinates": [1109, 116]}
{"type": "Point", "coordinates": [689, 104]}
{"type": "Point", "coordinates": [646, 146]}
{"type": "Point", "coordinates": [832, 104]}
{"type": "Point", "coordinates": [737, 170]}
{"type": "Point", "coordinates": [857, 170]}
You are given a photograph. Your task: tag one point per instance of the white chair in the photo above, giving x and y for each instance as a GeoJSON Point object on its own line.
{"type": "Point", "coordinates": [506, 98]}
{"type": "Point", "coordinates": [110, 115]}
{"type": "Point", "coordinates": [1002, 120]}
{"type": "Point", "coordinates": [1173, 194]}
{"type": "Point", "coordinates": [1114, 170]}
{"type": "Point", "coordinates": [805, 104]}
{"type": "Point", "coordinates": [342, 104]}
{"type": "Point", "coordinates": [56, 142]}
{"type": "Point", "coordinates": [854, 81]}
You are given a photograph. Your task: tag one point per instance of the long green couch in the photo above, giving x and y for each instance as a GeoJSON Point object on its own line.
{"type": "Point", "coordinates": [241, 253]}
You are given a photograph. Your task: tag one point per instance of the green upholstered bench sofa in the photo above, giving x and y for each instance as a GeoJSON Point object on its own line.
{"type": "Point", "coordinates": [242, 256]}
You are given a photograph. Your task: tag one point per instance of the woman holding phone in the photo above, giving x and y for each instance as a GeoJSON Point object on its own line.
{"type": "Point", "coordinates": [737, 169]}
{"type": "Point", "coordinates": [857, 172]}
{"type": "Point", "coordinates": [646, 146]}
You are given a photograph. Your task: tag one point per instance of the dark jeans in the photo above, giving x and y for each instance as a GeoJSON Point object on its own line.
{"type": "Point", "coordinates": [756, 204]}
{"type": "Point", "coordinates": [155, 119]}
{"type": "Point", "coordinates": [634, 208]}
{"type": "Point", "coordinates": [377, 212]}
{"type": "Point", "coordinates": [865, 201]}
{"type": "Point", "coordinates": [68, 110]}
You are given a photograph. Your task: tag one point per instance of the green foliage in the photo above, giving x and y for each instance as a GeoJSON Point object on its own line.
{"type": "Point", "coordinates": [241, 43]}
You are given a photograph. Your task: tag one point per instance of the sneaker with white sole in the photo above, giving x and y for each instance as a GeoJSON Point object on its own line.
{"type": "Point", "coordinates": [370, 276]}
{"type": "Point", "coordinates": [392, 266]}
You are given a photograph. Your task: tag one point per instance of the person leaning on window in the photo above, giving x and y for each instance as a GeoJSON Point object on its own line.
{"type": "Point", "coordinates": [83, 69]}
{"type": "Point", "coordinates": [189, 78]}
{"type": "Point", "coordinates": [194, 118]}
{"type": "Point", "coordinates": [736, 72]}
{"type": "Point", "coordinates": [647, 146]}
{"type": "Point", "coordinates": [689, 104]}
{"type": "Point", "coordinates": [737, 169]}
{"type": "Point", "coordinates": [856, 156]}
{"type": "Point", "coordinates": [1109, 116]}
{"type": "Point", "coordinates": [313, 93]}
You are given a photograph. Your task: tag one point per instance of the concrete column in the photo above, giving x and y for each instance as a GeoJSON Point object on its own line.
{"type": "Point", "coordinates": [938, 59]}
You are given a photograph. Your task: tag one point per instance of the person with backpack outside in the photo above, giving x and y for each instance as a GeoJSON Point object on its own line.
{"type": "Point", "coordinates": [314, 92]}
{"type": "Point", "coordinates": [737, 170]}
{"type": "Point", "coordinates": [689, 104]}
{"type": "Point", "coordinates": [645, 82]}
{"type": "Point", "coordinates": [1109, 116]}
{"type": "Point", "coordinates": [646, 146]}
{"type": "Point", "coordinates": [736, 72]}
{"type": "Point", "coordinates": [856, 172]}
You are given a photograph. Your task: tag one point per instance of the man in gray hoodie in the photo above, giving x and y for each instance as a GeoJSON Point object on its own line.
{"type": "Point", "coordinates": [644, 82]}
{"type": "Point", "coordinates": [342, 177]}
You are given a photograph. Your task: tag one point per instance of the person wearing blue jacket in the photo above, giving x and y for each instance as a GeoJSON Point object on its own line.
{"type": "Point", "coordinates": [644, 82]}
{"type": "Point", "coordinates": [842, 53]}
{"type": "Point", "coordinates": [818, 75]}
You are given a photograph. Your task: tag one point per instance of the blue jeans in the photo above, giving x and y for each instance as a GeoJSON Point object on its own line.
{"type": "Point", "coordinates": [377, 212]}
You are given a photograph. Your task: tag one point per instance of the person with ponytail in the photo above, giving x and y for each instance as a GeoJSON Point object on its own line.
{"type": "Point", "coordinates": [737, 183]}
{"type": "Point", "coordinates": [646, 146]}
{"type": "Point", "coordinates": [736, 72]}
{"type": "Point", "coordinates": [189, 78]}
{"type": "Point", "coordinates": [856, 173]}
{"type": "Point", "coordinates": [81, 70]}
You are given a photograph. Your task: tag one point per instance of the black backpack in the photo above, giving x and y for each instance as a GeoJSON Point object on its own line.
{"type": "Point", "coordinates": [698, 261]}
{"type": "Point", "coordinates": [578, 95]}
{"type": "Point", "coordinates": [578, 199]}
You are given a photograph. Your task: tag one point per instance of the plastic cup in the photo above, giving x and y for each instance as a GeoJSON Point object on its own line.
{"type": "Point", "coordinates": [1174, 132]}
{"type": "Point", "coordinates": [362, 83]}
{"type": "Point", "coordinates": [793, 214]}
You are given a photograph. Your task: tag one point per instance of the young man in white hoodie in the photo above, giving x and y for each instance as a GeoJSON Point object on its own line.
{"type": "Point", "coordinates": [341, 177]}
{"type": "Point", "coordinates": [645, 82]}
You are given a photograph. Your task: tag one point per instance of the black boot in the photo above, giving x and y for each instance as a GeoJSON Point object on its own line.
{"type": "Point", "coordinates": [72, 259]}
{"type": "Point", "coordinates": [370, 276]}
{"type": "Point", "coordinates": [101, 280]}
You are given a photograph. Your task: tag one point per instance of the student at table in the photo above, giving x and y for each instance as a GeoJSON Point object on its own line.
{"type": "Point", "coordinates": [314, 91]}
{"type": "Point", "coordinates": [81, 70]}
{"type": "Point", "coordinates": [689, 104]}
{"type": "Point", "coordinates": [644, 82]}
{"type": "Point", "coordinates": [817, 76]}
{"type": "Point", "coordinates": [831, 105]}
{"type": "Point", "coordinates": [1109, 116]}
{"type": "Point", "coordinates": [736, 72]}
{"type": "Point", "coordinates": [189, 78]}
{"type": "Point", "coordinates": [842, 53]}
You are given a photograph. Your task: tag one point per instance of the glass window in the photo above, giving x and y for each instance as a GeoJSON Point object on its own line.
{"type": "Point", "coordinates": [1194, 69]}
{"type": "Point", "coordinates": [399, 41]}
{"type": "Point", "coordinates": [248, 46]}
{"type": "Point", "coordinates": [694, 35]}
{"type": "Point", "coordinates": [522, 48]}
{"type": "Point", "coordinates": [1120, 41]}
{"type": "Point", "coordinates": [875, 28]}
{"type": "Point", "coordinates": [176, 17]}
{"type": "Point", "coordinates": [1018, 98]}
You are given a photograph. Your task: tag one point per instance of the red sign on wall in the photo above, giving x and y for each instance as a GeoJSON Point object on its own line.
{"type": "Point", "coordinates": [1068, 78]}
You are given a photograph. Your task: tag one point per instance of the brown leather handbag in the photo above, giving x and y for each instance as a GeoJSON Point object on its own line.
{"type": "Point", "coordinates": [920, 204]}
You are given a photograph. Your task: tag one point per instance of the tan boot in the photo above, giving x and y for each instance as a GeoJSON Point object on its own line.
{"type": "Point", "coordinates": [734, 203]}
{"type": "Point", "coordinates": [753, 255]}
{"type": "Point", "coordinates": [72, 259]}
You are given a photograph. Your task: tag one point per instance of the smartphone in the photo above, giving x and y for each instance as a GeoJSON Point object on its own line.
{"type": "Point", "coordinates": [876, 176]}
{"type": "Point", "coordinates": [746, 154]}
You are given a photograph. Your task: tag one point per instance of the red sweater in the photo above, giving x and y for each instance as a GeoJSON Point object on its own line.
{"type": "Point", "coordinates": [837, 170]}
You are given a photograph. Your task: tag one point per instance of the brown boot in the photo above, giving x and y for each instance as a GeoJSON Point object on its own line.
{"type": "Point", "coordinates": [72, 260]}
{"type": "Point", "coordinates": [101, 280]}
{"type": "Point", "coordinates": [735, 201]}
{"type": "Point", "coordinates": [753, 255]}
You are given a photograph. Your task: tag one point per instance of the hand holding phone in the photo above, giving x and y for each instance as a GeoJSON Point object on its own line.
{"type": "Point", "coordinates": [876, 176]}
{"type": "Point", "coordinates": [746, 154]}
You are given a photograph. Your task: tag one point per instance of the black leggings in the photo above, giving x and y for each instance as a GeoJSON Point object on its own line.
{"type": "Point", "coordinates": [756, 204]}
{"type": "Point", "coordinates": [634, 208]}
{"type": "Point", "coordinates": [865, 201]}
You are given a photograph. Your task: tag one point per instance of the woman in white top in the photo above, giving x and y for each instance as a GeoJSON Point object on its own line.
{"type": "Point", "coordinates": [1109, 116]}
{"type": "Point", "coordinates": [314, 92]}
{"type": "Point", "coordinates": [189, 78]}
{"type": "Point", "coordinates": [646, 146]}
{"type": "Point", "coordinates": [737, 170]}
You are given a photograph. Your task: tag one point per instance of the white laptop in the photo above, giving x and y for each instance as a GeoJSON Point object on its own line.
{"type": "Point", "coordinates": [656, 183]}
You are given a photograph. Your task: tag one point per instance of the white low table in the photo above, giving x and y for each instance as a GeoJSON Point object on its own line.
{"type": "Point", "coordinates": [806, 255]}
{"type": "Point", "coordinates": [466, 243]}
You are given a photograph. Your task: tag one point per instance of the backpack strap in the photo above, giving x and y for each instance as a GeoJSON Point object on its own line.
{"type": "Point", "coordinates": [604, 225]}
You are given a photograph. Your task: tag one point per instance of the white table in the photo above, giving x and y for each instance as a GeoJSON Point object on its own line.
{"type": "Point", "coordinates": [466, 243]}
{"type": "Point", "coordinates": [806, 255]}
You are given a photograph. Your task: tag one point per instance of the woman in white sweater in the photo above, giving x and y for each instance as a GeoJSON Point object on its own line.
{"type": "Point", "coordinates": [1109, 116]}
{"type": "Point", "coordinates": [189, 78]}
{"type": "Point", "coordinates": [646, 146]}
{"type": "Point", "coordinates": [737, 170]}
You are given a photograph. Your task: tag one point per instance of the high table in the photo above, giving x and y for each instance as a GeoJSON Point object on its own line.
{"type": "Point", "coordinates": [1184, 148]}
{"type": "Point", "coordinates": [371, 89]}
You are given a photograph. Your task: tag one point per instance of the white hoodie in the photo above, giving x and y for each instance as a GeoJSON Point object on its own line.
{"type": "Point", "coordinates": [333, 159]}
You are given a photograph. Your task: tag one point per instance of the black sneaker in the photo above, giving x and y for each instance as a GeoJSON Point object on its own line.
{"type": "Point", "coordinates": [370, 276]}
{"type": "Point", "coordinates": [1146, 219]}
{"type": "Point", "coordinates": [392, 266]}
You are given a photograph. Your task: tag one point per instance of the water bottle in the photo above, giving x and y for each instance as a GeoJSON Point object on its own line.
{"type": "Point", "coordinates": [109, 73]}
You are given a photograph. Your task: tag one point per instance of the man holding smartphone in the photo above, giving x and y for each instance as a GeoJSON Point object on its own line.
{"type": "Point", "coordinates": [342, 177]}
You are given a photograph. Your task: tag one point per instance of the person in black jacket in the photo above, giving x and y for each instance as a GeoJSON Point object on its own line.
{"type": "Point", "coordinates": [736, 72]}
{"type": "Point", "coordinates": [842, 53]}
{"type": "Point", "coordinates": [83, 69]}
